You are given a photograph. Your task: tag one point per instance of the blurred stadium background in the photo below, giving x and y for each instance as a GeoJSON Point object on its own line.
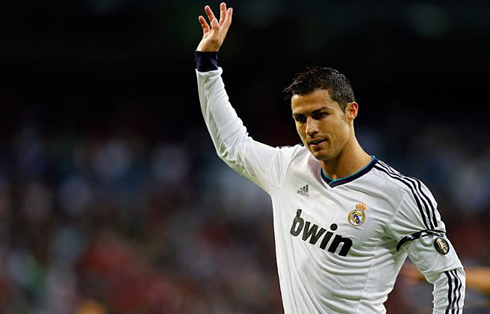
{"type": "Point", "coordinates": [112, 199]}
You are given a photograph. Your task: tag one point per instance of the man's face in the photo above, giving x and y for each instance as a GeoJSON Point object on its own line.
{"type": "Point", "coordinates": [322, 126]}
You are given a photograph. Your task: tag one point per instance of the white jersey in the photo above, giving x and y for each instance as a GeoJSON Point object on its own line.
{"type": "Point", "coordinates": [336, 240]}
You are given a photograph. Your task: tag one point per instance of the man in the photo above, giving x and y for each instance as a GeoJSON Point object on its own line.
{"type": "Point", "coordinates": [344, 221]}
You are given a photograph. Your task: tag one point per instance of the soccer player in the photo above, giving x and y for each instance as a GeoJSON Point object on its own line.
{"type": "Point", "coordinates": [344, 221]}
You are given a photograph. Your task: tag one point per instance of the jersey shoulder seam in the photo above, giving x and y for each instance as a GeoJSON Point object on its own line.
{"type": "Point", "coordinates": [385, 170]}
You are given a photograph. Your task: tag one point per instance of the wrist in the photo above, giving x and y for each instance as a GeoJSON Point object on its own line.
{"type": "Point", "coordinates": [208, 46]}
{"type": "Point", "coordinates": [206, 60]}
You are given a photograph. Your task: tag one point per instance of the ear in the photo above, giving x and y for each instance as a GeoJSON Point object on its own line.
{"type": "Point", "coordinates": [351, 111]}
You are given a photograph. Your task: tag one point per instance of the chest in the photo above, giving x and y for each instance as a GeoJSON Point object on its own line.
{"type": "Point", "coordinates": [340, 220]}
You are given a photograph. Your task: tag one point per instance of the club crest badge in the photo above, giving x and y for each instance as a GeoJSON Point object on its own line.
{"type": "Point", "coordinates": [441, 245]}
{"type": "Point", "coordinates": [358, 215]}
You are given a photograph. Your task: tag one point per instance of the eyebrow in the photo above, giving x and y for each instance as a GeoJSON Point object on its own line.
{"type": "Point", "coordinates": [313, 112]}
{"type": "Point", "coordinates": [320, 109]}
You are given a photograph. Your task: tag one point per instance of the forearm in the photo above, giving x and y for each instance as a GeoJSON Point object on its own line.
{"type": "Point", "coordinates": [225, 127]}
{"type": "Point", "coordinates": [449, 291]}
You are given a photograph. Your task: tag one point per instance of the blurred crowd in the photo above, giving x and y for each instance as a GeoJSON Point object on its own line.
{"type": "Point", "coordinates": [111, 225]}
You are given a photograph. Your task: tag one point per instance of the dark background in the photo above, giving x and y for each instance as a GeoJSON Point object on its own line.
{"type": "Point", "coordinates": [112, 199]}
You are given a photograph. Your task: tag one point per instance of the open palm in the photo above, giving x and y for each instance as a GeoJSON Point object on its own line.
{"type": "Point", "coordinates": [215, 32]}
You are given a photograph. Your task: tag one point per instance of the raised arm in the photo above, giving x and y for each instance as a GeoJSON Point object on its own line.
{"type": "Point", "coordinates": [262, 164]}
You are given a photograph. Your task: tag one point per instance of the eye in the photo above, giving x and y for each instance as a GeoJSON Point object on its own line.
{"type": "Point", "coordinates": [319, 115]}
{"type": "Point", "coordinates": [300, 118]}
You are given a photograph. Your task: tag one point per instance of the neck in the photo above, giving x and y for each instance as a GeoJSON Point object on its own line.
{"type": "Point", "coordinates": [351, 160]}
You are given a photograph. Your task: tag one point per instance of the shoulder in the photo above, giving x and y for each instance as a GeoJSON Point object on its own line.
{"type": "Point", "coordinates": [300, 162]}
{"type": "Point", "coordinates": [394, 179]}
{"type": "Point", "coordinates": [415, 199]}
{"type": "Point", "coordinates": [285, 156]}
{"type": "Point", "coordinates": [297, 151]}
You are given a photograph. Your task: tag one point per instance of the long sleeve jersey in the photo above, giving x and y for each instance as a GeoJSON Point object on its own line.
{"type": "Point", "coordinates": [340, 244]}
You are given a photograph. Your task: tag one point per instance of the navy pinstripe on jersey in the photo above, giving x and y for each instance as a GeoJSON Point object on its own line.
{"type": "Point", "coordinates": [429, 216]}
{"type": "Point", "coordinates": [453, 292]}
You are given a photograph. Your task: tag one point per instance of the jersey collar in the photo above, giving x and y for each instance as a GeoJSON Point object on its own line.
{"type": "Point", "coordinates": [333, 183]}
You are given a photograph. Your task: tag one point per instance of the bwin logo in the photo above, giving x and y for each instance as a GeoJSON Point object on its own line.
{"type": "Point", "coordinates": [310, 231]}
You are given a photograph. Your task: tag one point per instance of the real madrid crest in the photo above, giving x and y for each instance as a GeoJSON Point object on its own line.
{"type": "Point", "coordinates": [441, 245]}
{"type": "Point", "coordinates": [358, 215]}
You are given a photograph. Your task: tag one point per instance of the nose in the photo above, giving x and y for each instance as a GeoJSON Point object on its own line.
{"type": "Point", "coordinates": [311, 127]}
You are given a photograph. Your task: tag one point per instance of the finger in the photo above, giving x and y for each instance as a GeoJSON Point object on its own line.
{"type": "Point", "coordinates": [226, 24]}
{"type": "Point", "coordinates": [214, 25]}
{"type": "Point", "coordinates": [204, 24]}
{"type": "Point", "coordinates": [229, 15]}
{"type": "Point", "coordinates": [209, 13]}
{"type": "Point", "coordinates": [222, 13]}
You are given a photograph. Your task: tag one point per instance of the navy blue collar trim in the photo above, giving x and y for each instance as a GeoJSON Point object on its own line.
{"type": "Point", "coordinates": [333, 183]}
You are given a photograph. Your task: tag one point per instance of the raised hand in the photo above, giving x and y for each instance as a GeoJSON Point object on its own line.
{"type": "Point", "coordinates": [214, 33]}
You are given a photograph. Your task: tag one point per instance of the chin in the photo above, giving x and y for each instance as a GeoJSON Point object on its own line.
{"type": "Point", "coordinates": [319, 155]}
{"type": "Point", "coordinates": [324, 154]}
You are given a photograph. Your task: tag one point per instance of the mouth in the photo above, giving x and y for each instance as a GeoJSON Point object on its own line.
{"type": "Point", "coordinates": [315, 143]}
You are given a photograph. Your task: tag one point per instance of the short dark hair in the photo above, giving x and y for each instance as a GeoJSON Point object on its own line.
{"type": "Point", "coordinates": [315, 78]}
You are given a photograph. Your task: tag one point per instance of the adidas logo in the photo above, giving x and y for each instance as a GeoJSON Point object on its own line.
{"type": "Point", "coordinates": [303, 191]}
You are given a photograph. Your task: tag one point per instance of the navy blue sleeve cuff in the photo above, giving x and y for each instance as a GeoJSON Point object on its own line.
{"type": "Point", "coordinates": [206, 61]}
